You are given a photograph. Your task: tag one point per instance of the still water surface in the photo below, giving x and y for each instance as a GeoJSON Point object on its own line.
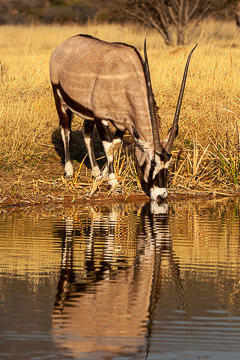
{"type": "Point", "coordinates": [121, 282]}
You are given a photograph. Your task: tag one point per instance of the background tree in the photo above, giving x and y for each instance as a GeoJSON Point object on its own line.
{"type": "Point", "coordinates": [234, 8]}
{"type": "Point", "coordinates": [170, 17]}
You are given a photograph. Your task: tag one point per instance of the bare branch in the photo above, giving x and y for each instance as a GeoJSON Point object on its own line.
{"type": "Point", "coordinates": [169, 16]}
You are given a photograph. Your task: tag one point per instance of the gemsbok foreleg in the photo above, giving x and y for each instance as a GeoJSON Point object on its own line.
{"type": "Point", "coordinates": [65, 118]}
{"type": "Point", "coordinates": [109, 145]}
{"type": "Point", "coordinates": [117, 140]}
{"type": "Point", "coordinates": [88, 127]}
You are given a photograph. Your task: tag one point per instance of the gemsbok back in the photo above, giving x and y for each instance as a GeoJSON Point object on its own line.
{"type": "Point", "coordinates": [106, 82]}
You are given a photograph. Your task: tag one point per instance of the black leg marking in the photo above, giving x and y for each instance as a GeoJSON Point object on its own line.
{"type": "Point", "coordinates": [65, 119]}
{"type": "Point", "coordinates": [117, 139]}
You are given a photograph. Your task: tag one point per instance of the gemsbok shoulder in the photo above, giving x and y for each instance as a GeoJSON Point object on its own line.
{"type": "Point", "coordinates": [106, 82]}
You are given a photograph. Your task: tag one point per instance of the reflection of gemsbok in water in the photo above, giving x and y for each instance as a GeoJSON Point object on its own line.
{"type": "Point", "coordinates": [110, 282]}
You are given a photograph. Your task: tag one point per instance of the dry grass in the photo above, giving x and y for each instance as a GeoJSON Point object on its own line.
{"type": "Point", "coordinates": [206, 152]}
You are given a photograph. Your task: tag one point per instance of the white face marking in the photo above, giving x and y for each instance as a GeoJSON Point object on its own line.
{"type": "Point", "coordinates": [160, 165]}
{"type": "Point", "coordinates": [141, 158]}
{"type": "Point", "coordinates": [147, 168]}
{"type": "Point", "coordinates": [157, 192]}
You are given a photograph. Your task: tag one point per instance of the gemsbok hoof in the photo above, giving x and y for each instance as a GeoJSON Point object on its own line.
{"type": "Point", "coordinates": [116, 190]}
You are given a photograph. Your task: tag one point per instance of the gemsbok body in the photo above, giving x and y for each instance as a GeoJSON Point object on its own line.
{"type": "Point", "coordinates": [106, 82]}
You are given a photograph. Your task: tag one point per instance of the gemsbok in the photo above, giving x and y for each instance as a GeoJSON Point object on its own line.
{"type": "Point", "coordinates": [106, 82]}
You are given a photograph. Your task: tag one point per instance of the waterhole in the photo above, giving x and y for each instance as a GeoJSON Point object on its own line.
{"type": "Point", "coordinates": [121, 282]}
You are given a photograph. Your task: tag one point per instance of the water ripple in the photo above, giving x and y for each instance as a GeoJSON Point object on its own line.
{"type": "Point", "coordinates": [121, 282]}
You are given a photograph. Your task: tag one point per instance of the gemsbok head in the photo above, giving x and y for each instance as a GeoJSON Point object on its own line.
{"type": "Point", "coordinates": [106, 82]}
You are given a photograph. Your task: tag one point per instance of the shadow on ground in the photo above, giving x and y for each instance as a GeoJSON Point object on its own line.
{"type": "Point", "coordinates": [77, 147]}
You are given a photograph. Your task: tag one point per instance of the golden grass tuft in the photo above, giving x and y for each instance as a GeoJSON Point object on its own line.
{"type": "Point", "coordinates": [206, 152]}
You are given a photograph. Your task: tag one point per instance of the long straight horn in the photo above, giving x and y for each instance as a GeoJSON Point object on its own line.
{"type": "Point", "coordinates": [174, 128]}
{"type": "Point", "coordinates": [152, 109]}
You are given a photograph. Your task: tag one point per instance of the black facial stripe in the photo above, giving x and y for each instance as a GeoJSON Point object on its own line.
{"type": "Point", "coordinates": [150, 178]}
{"type": "Point", "coordinates": [160, 179]}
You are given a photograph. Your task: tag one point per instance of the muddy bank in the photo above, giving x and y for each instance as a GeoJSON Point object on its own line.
{"type": "Point", "coordinates": [42, 183]}
{"type": "Point", "coordinates": [7, 201]}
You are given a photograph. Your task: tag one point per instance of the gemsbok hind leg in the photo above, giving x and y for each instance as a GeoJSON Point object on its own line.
{"type": "Point", "coordinates": [108, 144]}
{"type": "Point", "coordinates": [88, 127]}
{"type": "Point", "coordinates": [65, 118]}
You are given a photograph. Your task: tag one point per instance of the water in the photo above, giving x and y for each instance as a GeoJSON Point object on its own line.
{"type": "Point", "coordinates": [121, 282]}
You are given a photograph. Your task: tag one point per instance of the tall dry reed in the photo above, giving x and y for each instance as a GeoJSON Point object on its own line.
{"type": "Point", "coordinates": [209, 123]}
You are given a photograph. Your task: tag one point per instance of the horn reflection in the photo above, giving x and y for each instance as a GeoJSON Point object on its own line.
{"type": "Point", "coordinates": [110, 281]}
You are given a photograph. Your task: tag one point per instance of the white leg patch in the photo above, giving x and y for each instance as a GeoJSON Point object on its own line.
{"type": "Point", "coordinates": [69, 169]}
{"type": "Point", "coordinates": [65, 135]}
{"type": "Point", "coordinates": [96, 173]}
{"type": "Point", "coordinates": [105, 172]}
{"type": "Point", "coordinates": [87, 142]}
{"type": "Point", "coordinates": [116, 144]}
{"type": "Point", "coordinates": [113, 181]}
{"type": "Point", "coordinates": [108, 148]}
{"type": "Point", "coordinates": [105, 122]}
